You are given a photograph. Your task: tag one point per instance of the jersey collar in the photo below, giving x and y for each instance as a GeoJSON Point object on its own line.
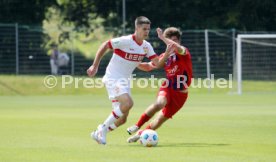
{"type": "Point", "coordinates": [134, 38]}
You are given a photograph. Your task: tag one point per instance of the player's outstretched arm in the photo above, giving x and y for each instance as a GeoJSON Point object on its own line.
{"type": "Point", "coordinates": [160, 62]}
{"type": "Point", "coordinates": [93, 69]}
{"type": "Point", "coordinates": [179, 48]}
{"type": "Point", "coordinates": [146, 66]}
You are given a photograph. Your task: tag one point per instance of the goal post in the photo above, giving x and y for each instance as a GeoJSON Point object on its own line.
{"type": "Point", "coordinates": [266, 42]}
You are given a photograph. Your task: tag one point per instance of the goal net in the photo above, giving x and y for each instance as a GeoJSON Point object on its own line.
{"type": "Point", "coordinates": [255, 62]}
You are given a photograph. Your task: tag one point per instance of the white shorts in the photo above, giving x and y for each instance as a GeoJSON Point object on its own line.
{"type": "Point", "coordinates": [116, 87]}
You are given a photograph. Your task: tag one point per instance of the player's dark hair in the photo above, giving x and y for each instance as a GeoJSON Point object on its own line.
{"type": "Point", "coordinates": [172, 31]}
{"type": "Point", "coordinates": [142, 20]}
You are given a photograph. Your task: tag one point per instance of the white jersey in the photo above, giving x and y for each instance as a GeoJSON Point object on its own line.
{"type": "Point", "coordinates": [126, 57]}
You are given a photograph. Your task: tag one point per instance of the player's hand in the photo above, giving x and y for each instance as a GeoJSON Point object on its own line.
{"type": "Point", "coordinates": [159, 33]}
{"type": "Point", "coordinates": [92, 70]}
{"type": "Point", "coordinates": [170, 49]}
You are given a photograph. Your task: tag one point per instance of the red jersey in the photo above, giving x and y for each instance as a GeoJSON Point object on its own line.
{"type": "Point", "coordinates": [178, 70]}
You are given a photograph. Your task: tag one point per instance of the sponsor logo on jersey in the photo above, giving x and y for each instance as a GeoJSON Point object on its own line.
{"type": "Point", "coordinates": [134, 57]}
{"type": "Point", "coordinates": [130, 56]}
{"type": "Point", "coordinates": [173, 70]}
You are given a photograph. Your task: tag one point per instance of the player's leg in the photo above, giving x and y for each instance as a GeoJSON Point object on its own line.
{"type": "Point", "coordinates": [155, 124]}
{"type": "Point", "coordinates": [125, 104]}
{"type": "Point", "coordinates": [160, 102]}
{"type": "Point", "coordinates": [119, 110]}
{"type": "Point", "coordinates": [122, 120]}
{"type": "Point", "coordinates": [176, 102]}
{"type": "Point", "coordinates": [122, 94]}
{"type": "Point", "coordinates": [115, 103]}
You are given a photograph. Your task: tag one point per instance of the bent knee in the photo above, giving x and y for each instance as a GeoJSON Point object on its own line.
{"type": "Point", "coordinates": [159, 105]}
{"type": "Point", "coordinates": [128, 104]}
{"type": "Point", "coordinates": [123, 121]}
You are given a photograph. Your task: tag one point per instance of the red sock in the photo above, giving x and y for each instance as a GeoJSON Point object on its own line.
{"type": "Point", "coordinates": [144, 118]}
{"type": "Point", "coordinates": [148, 127]}
{"type": "Point", "coordinates": [141, 131]}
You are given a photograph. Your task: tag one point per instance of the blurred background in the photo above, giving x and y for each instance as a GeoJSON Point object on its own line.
{"type": "Point", "coordinates": [60, 37]}
{"type": "Point", "coordinates": [30, 29]}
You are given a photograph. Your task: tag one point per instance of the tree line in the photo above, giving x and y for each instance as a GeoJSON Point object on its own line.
{"type": "Point", "coordinates": [246, 15]}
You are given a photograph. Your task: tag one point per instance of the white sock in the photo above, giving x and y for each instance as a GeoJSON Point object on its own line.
{"type": "Point", "coordinates": [115, 114]}
{"type": "Point", "coordinates": [111, 127]}
{"type": "Point", "coordinates": [115, 103]}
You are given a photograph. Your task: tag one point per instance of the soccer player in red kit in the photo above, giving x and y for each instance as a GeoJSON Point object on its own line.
{"type": "Point", "coordinates": [174, 91]}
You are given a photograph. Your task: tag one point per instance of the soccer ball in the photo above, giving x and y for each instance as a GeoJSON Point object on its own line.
{"type": "Point", "coordinates": [149, 138]}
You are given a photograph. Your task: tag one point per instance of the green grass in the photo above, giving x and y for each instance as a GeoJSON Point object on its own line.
{"type": "Point", "coordinates": [25, 85]}
{"type": "Point", "coordinates": [38, 124]}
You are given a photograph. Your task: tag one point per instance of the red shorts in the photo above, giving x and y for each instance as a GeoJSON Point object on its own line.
{"type": "Point", "coordinates": [175, 101]}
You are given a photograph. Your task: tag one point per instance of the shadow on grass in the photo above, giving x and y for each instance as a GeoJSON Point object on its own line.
{"type": "Point", "coordinates": [10, 88]}
{"type": "Point", "coordinates": [185, 145]}
{"type": "Point", "coordinates": [193, 145]}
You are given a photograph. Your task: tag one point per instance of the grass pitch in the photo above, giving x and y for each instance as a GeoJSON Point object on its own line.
{"type": "Point", "coordinates": [211, 127]}
{"type": "Point", "coordinates": [208, 128]}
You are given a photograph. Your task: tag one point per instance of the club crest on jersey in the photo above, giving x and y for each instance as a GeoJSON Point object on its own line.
{"type": "Point", "coordinates": [146, 49]}
{"type": "Point", "coordinates": [171, 59]}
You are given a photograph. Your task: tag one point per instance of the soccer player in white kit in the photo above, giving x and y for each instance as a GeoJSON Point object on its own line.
{"type": "Point", "coordinates": [128, 52]}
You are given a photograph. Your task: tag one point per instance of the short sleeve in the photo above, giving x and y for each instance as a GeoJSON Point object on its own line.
{"type": "Point", "coordinates": [160, 56]}
{"type": "Point", "coordinates": [150, 52]}
{"type": "Point", "coordinates": [118, 43]}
